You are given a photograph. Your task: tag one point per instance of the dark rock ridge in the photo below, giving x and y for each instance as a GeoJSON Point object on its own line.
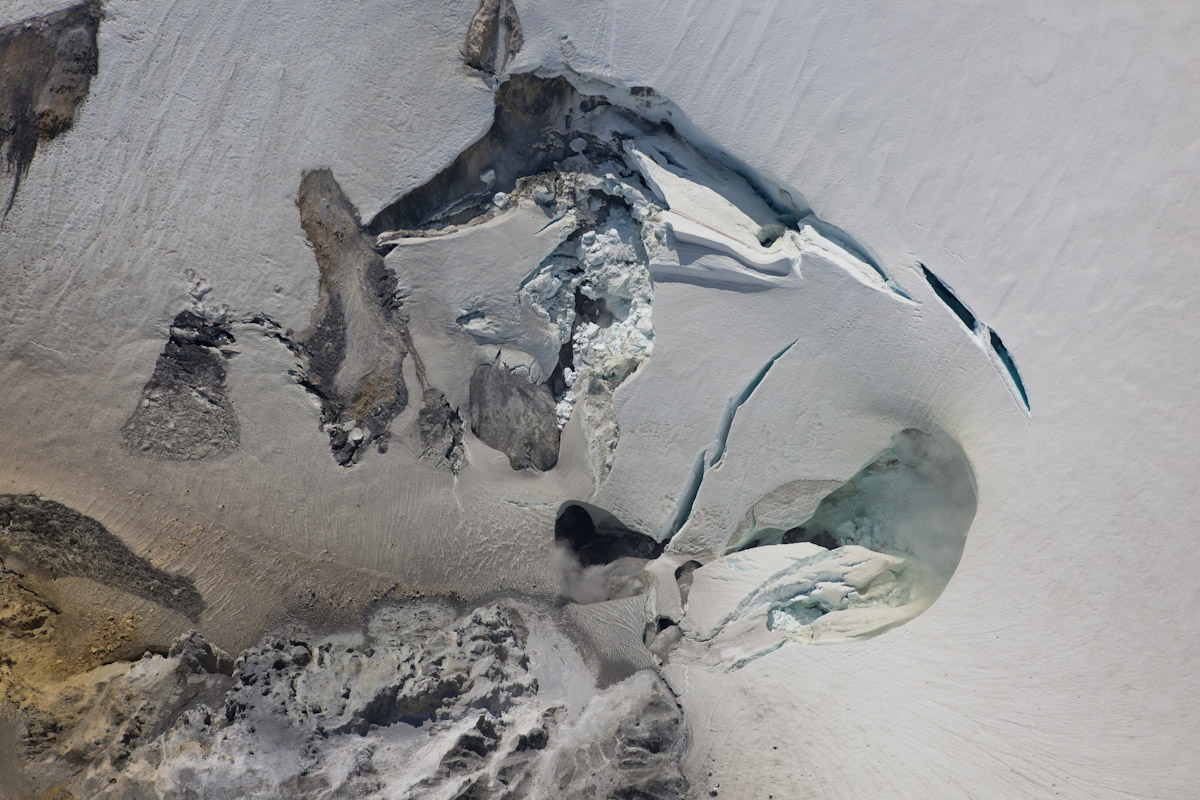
{"type": "Point", "coordinates": [356, 346]}
{"type": "Point", "coordinates": [59, 542]}
{"type": "Point", "coordinates": [531, 130]}
{"type": "Point", "coordinates": [354, 352]}
{"type": "Point", "coordinates": [46, 69]}
{"type": "Point", "coordinates": [493, 37]}
{"type": "Point", "coordinates": [185, 412]}
{"type": "Point", "coordinates": [101, 730]}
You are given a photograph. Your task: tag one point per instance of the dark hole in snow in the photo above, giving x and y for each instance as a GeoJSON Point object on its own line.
{"type": "Point", "coordinates": [566, 360]}
{"type": "Point", "coordinates": [593, 310]}
{"type": "Point", "coordinates": [821, 538]}
{"type": "Point", "coordinates": [469, 317]}
{"type": "Point", "coordinates": [769, 234]}
{"type": "Point", "coordinates": [596, 537]}
{"type": "Point", "coordinates": [683, 577]}
{"type": "Point", "coordinates": [587, 309]}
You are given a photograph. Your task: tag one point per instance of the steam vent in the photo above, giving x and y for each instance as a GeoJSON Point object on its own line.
{"type": "Point", "coordinates": [565, 400]}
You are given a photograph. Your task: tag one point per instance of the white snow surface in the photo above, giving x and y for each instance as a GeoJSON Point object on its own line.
{"type": "Point", "coordinates": [1042, 159]}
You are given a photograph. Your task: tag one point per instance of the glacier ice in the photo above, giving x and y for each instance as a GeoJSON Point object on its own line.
{"type": "Point", "coordinates": [1041, 164]}
{"type": "Point", "coordinates": [743, 606]}
{"type": "Point", "coordinates": [875, 553]}
{"type": "Point", "coordinates": [915, 500]}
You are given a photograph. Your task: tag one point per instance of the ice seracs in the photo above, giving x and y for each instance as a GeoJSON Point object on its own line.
{"type": "Point", "coordinates": [595, 294]}
{"type": "Point", "coordinates": [744, 606]}
{"type": "Point", "coordinates": [870, 555]}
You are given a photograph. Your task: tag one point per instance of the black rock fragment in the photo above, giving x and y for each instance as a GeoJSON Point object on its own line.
{"type": "Point", "coordinates": [441, 429]}
{"type": "Point", "coordinates": [515, 416]}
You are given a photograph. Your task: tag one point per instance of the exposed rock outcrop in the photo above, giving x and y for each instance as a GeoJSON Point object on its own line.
{"type": "Point", "coordinates": [46, 69]}
{"type": "Point", "coordinates": [59, 542]}
{"type": "Point", "coordinates": [494, 36]}
{"type": "Point", "coordinates": [428, 701]}
{"type": "Point", "coordinates": [356, 347]}
{"type": "Point", "coordinates": [632, 746]}
{"type": "Point", "coordinates": [514, 415]}
{"type": "Point", "coordinates": [185, 412]}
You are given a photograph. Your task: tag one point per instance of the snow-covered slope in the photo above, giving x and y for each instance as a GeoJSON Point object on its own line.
{"type": "Point", "coordinates": [1041, 160]}
{"type": "Point", "coordinates": [1037, 164]}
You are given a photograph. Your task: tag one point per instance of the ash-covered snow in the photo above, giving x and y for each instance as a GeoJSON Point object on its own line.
{"type": "Point", "coordinates": [428, 701]}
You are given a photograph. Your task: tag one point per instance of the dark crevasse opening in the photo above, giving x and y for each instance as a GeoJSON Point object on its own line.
{"type": "Point", "coordinates": [818, 536]}
{"type": "Point", "coordinates": [1009, 364]}
{"type": "Point", "coordinates": [950, 299]}
{"type": "Point", "coordinates": [973, 324]}
{"type": "Point", "coordinates": [683, 578]}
